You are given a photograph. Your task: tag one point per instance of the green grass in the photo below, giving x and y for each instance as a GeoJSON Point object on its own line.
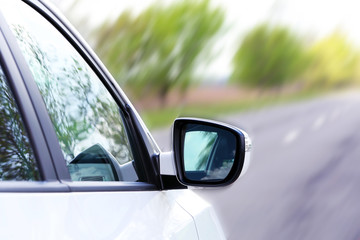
{"type": "Point", "coordinates": [165, 117]}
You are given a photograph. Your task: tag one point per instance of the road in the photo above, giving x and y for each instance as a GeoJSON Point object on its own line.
{"type": "Point", "coordinates": [304, 179]}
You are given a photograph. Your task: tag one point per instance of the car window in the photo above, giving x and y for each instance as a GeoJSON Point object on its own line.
{"type": "Point", "coordinates": [17, 161]}
{"type": "Point", "coordinates": [87, 120]}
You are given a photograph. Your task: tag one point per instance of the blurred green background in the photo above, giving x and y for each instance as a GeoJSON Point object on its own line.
{"type": "Point", "coordinates": [205, 58]}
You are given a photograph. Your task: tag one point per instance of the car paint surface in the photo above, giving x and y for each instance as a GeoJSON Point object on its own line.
{"type": "Point", "coordinates": [108, 215]}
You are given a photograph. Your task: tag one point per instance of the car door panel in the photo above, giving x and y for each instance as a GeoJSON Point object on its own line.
{"type": "Point", "coordinates": [41, 216]}
{"type": "Point", "coordinates": [135, 215]}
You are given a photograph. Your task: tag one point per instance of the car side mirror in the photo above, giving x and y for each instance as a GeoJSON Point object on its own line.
{"type": "Point", "coordinates": [209, 153]}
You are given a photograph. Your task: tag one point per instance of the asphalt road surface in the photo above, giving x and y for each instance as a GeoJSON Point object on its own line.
{"type": "Point", "coordinates": [304, 179]}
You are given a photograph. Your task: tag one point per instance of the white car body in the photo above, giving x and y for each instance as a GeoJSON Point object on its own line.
{"type": "Point", "coordinates": [179, 214]}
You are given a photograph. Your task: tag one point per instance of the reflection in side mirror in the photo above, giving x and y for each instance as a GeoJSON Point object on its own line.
{"type": "Point", "coordinates": [208, 153]}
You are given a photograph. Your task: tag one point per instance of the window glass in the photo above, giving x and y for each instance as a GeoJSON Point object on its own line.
{"type": "Point", "coordinates": [86, 118]}
{"type": "Point", "coordinates": [17, 161]}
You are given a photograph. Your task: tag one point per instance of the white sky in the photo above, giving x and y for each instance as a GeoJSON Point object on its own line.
{"type": "Point", "coordinates": [312, 18]}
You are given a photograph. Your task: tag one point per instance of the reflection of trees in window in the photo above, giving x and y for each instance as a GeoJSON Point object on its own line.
{"type": "Point", "coordinates": [204, 155]}
{"type": "Point", "coordinates": [17, 161]}
{"type": "Point", "coordinates": [203, 142]}
{"type": "Point", "coordinates": [80, 107]}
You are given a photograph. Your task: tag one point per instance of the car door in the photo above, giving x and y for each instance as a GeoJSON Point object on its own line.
{"type": "Point", "coordinates": [94, 173]}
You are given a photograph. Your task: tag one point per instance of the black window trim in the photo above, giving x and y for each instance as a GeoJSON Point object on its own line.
{"type": "Point", "coordinates": [33, 187]}
{"type": "Point", "coordinates": [110, 186]}
{"type": "Point", "coordinates": [132, 122]}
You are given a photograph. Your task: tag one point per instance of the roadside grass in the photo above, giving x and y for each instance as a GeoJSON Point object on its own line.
{"type": "Point", "coordinates": [164, 117]}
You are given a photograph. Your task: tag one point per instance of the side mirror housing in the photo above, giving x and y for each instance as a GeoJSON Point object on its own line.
{"type": "Point", "coordinates": [209, 153]}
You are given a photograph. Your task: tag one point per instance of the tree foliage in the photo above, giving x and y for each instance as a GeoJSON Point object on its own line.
{"type": "Point", "coordinates": [333, 62]}
{"type": "Point", "coordinates": [158, 49]}
{"type": "Point", "coordinates": [268, 56]}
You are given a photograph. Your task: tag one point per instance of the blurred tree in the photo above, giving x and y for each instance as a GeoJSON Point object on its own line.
{"type": "Point", "coordinates": [158, 49]}
{"type": "Point", "coordinates": [333, 62]}
{"type": "Point", "coordinates": [268, 56]}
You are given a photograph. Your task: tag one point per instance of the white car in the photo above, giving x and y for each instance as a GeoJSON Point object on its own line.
{"type": "Point", "coordinates": [76, 160]}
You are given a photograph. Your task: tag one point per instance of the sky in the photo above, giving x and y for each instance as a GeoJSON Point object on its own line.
{"type": "Point", "coordinates": [311, 18]}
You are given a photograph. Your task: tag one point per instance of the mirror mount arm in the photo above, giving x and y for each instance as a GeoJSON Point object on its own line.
{"type": "Point", "coordinates": [169, 178]}
{"type": "Point", "coordinates": [167, 166]}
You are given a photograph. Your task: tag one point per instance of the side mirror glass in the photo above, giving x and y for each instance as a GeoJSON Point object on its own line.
{"type": "Point", "coordinates": [208, 153]}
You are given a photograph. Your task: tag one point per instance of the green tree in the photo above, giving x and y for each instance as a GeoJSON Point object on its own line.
{"type": "Point", "coordinates": [333, 62]}
{"type": "Point", "coordinates": [159, 48]}
{"type": "Point", "coordinates": [268, 56]}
